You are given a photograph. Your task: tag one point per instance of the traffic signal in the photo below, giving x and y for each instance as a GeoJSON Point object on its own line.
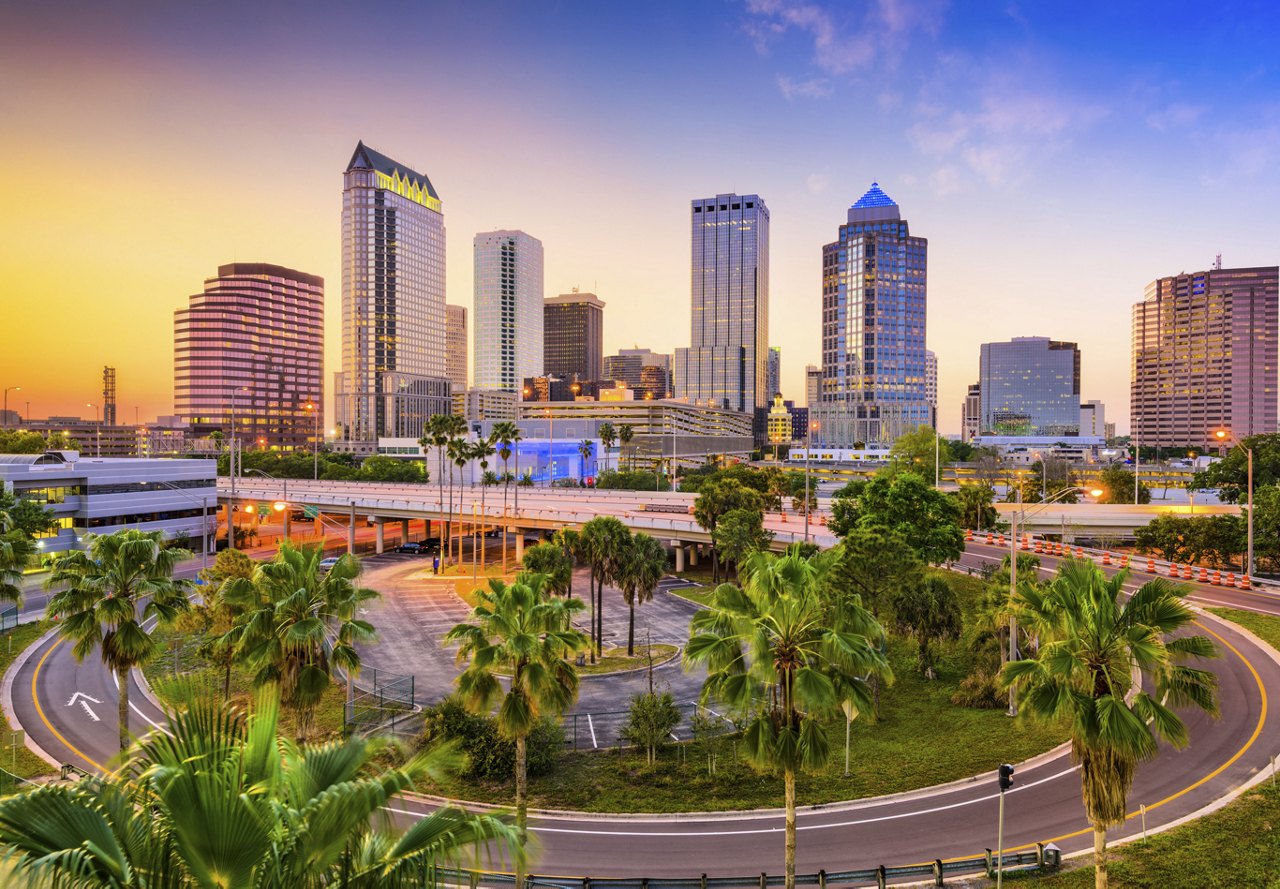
{"type": "Point", "coordinates": [1006, 777]}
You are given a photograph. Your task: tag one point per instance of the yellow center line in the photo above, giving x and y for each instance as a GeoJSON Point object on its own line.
{"type": "Point", "coordinates": [49, 725]}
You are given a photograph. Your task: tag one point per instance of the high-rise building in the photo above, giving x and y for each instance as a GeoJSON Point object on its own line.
{"type": "Point", "coordinates": [812, 384]}
{"type": "Point", "coordinates": [931, 386]}
{"type": "Point", "coordinates": [655, 381]}
{"type": "Point", "coordinates": [724, 365]}
{"type": "Point", "coordinates": [1030, 386]}
{"type": "Point", "coordinates": [1204, 357]}
{"type": "Point", "coordinates": [108, 396]}
{"type": "Point", "coordinates": [773, 374]}
{"type": "Point", "coordinates": [248, 354]}
{"type": "Point", "coordinates": [971, 413]}
{"type": "Point", "coordinates": [874, 301]}
{"type": "Point", "coordinates": [1093, 419]}
{"type": "Point", "coordinates": [455, 347]}
{"type": "Point", "coordinates": [508, 310]}
{"type": "Point", "coordinates": [393, 316]}
{"type": "Point", "coordinates": [573, 336]}
{"type": "Point", "coordinates": [628, 366]}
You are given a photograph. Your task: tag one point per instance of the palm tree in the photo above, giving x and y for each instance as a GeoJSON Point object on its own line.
{"type": "Point", "coordinates": [551, 561]}
{"type": "Point", "coordinates": [927, 610]}
{"type": "Point", "coordinates": [459, 451]}
{"type": "Point", "coordinates": [570, 541]}
{"type": "Point", "coordinates": [641, 567]}
{"type": "Point", "coordinates": [603, 540]}
{"type": "Point", "coordinates": [519, 629]}
{"type": "Point", "coordinates": [287, 610]}
{"type": "Point", "coordinates": [507, 436]}
{"type": "Point", "coordinates": [108, 593]}
{"type": "Point", "coordinates": [784, 658]}
{"type": "Point", "coordinates": [220, 800]}
{"type": "Point", "coordinates": [586, 448]}
{"type": "Point", "coordinates": [1092, 649]}
{"type": "Point", "coordinates": [482, 450]}
{"type": "Point", "coordinates": [608, 435]}
{"type": "Point", "coordinates": [625, 433]}
{"type": "Point", "coordinates": [16, 549]}
{"type": "Point", "coordinates": [437, 436]}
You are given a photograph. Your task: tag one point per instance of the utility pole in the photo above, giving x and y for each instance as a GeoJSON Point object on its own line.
{"type": "Point", "coordinates": [1013, 586]}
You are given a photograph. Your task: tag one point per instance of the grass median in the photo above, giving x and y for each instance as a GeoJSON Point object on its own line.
{"type": "Point", "coordinates": [20, 761]}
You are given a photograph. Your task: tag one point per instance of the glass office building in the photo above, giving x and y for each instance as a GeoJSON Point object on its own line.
{"type": "Point", "coordinates": [725, 363]}
{"type": "Point", "coordinates": [393, 316]}
{"type": "Point", "coordinates": [508, 310]}
{"type": "Point", "coordinates": [1029, 386]}
{"type": "Point", "coordinates": [874, 385]}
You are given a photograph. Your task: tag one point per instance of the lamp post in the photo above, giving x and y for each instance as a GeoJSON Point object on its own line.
{"type": "Point", "coordinates": [551, 449]}
{"type": "Point", "coordinates": [204, 520]}
{"type": "Point", "coordinates": [283, 506]}
{"type": "Point", "coordinates": [7, 390]}
{"type": "Point", "coordinates": [97, 447]}
{"type": "Point", "coordinates": [315, 441]}
{"type": "Point", "coordinates": [235, 442]}
{"type": "Point", "coordinates": [808, 448]}
{"type": "Point", "coordinates": [1020, 516]}
{"type": "Point", "coordinates": [1222, 435]}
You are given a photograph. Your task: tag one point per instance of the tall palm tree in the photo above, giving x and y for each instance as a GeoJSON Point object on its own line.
{"type": "Point", "coordinates": [608, 435]}
{"type": "Point", "coordinates": [641, 567]}
{"type": "Point", "coordinates": [107, 594]}
{"type": "Point", "coordinates": [459, 451]}
{"type": "Point", "coordinates": [222, 801]}
{"type": "Point", "coordinates": [586, 448]}
{"type": "Point", "coordinates": [783, 657]}
{"type": "Point", "coordinates": [570, 541]}
{"type": "Point", "coordinates": [287, 610]}
{"type": "Point", "coordinates": [437, 436]}
{"type": "Point", "coordinates": [1092, 648]}
{"type": "Point", "coordinates": [481, 451]}
{"type": "Point", "coordinates": [521, 630]}
{"type": "Point", "coordinates": [603, 540]}
{"type": "Point", "coordinates": [625, 433]}
{"type": "Point", "coordinates": [551, 561]}
{"type": "Point", "coordinates": [507, 436]}
{"type": "Point", "coordinates": [16, 550]}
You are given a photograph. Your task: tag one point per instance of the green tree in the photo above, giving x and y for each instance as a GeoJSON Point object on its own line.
{"type": "Point", "coordinates": [651, 719]}
{"type": "Point", "coordinates": [871, 563]}
{"type": "Point", "coordinates": [603, 542]}
{"type": "Point", "coordinates": [1116, 484]}
{"type": "Point", "coordinates": [914, 452]}
{"type": "Point", "coordinates": [640, 567]}
{"type": "Point", "coordinates": [608, 435]}
{"type": "Point", "coordinates": [381, 468]}
{"type": "Point", "coordinates": [519, 629]}
{"type": "Point", "coordinates": [570, 541]}
{"type": "Point", "coordinates": [738, 533]}
{"type": "Point", "coordinates": [928, 611]}
{"type": "Point", "coordinates": [779, 656]}
{"type": "Point", "coordinates": [506, 436]}
{"type": "Point", "coordinates": [1093, 646]}
{"type": "Point", "coordinates": [1163, 535]}
{"type": "Point", "coordinates": [436, 435]}
{"type": "Point", "coordinates": [717, 498]}
{"type": "Point", "coordinates": [586, 449]}
{"type": "Point", "coordinates": [213, 618]}
{"type": "Point", "coordinates": [221, 801]}
{"type": "Point", "coordinates": [1266, 527]}
{"type": "Point", "coordinates": [1051, 477]}
{"type": "Point", "coordinates": [481, 451]}
{"type": "Point", "coordinates": [961, 451]}
{"type": "Point", "coordinates": [1230, 474]}
{"type": "Point", "coordinates": [19, 521]}
{"type": "Point", "coordinates": [107, 594]}
{"type": "Point", "coordinates": [553, 563]}
{"type": "Point", "coordinates": [926, 518]}
{"type": "Point", "coordinates": [458, 449]}
{"type": "Point", "coordinates": [626, 432]}
{"type": "Point", "coordinates": [286, 613]}
{"type": "Point", "coordinates": [977, 507]}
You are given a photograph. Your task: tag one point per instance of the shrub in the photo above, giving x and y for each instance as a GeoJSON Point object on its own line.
{"type": "Point", "coordinates": [650, 723]}
{"type": "Point", "coordinates": [490, 756]}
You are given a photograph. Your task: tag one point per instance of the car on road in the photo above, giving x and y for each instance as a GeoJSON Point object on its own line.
{"type": "Point", "coordinates": [419, 548]}
{"type": "Point", "coordinates": [327, 563]}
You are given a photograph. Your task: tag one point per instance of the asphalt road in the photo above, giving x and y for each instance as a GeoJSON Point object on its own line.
{"type": "Point", "coordinates": [946, 822]}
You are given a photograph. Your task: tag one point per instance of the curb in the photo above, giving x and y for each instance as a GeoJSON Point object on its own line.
{"type": "Point", "coordinates": [6, 696]}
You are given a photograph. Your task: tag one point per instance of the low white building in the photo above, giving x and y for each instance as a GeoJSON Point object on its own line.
{"type": "Point", "coordinates": [108, 494]}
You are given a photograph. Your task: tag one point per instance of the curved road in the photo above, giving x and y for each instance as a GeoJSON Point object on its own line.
{"type": "Point", "coordinates": [946, 822]}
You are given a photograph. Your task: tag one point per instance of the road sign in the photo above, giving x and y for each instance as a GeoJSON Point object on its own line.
{"type": "Point", "coordinates": [311, 512]}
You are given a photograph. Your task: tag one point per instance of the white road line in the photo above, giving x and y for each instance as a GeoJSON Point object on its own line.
{"type": "Point", "coordinates": [591, 725]}
{"type": "Point", "coordinates": [1236, 605]}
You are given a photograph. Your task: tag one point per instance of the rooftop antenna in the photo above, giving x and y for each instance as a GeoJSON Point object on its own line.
{"type": "Point", "coordinates": [1217, 263]}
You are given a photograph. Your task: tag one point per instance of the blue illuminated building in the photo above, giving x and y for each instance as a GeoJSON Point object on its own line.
{"type": "Point", "coordinates": [874, 300]}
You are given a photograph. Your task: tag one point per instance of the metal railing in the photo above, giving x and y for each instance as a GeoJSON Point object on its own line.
{"type": "Point", "coordinates": [387, 705]}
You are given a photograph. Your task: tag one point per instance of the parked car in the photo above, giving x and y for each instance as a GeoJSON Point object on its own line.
{"type": "Point", "coordinates": [412, 547]}
{"type": "Point", "coordinates": [327, 563]}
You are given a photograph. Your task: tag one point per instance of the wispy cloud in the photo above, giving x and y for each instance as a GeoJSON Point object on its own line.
{"type": "Point", "coordinates": [815, 88]}
{"type": "Point", "coordinates": [1175, 116]}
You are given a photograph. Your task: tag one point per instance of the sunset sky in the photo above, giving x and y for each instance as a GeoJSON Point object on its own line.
{"type": "Point", "coordinates": [1057, 156]}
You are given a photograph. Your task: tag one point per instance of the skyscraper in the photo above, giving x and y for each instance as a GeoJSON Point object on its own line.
{"type": "Point", "coordinates": [1030, 386]}
{"type": "Point", "coordinates": [252, 346]}
{"type": "Point", "coordinates": [874, 302]}
{"type": "Point", "coordinates": [644, 370]}
{"type": "Point", "coordinates": [725, 361]}
{"type": "Point", "coordinates": [812, 384]}
{"type": "Point", "coordinates": [455, 349]}
{"type": "Point", "coordinates": [773, 373]}
{"type": "Point", "coordinates": [971, 413]}
{"type": "Point", "coordinates": [931, 386]}
{"type": "Point", "coordinates": [393, 316]}
{"type": "Point", "coordinates": [1204, 357]}
{"type": "Point", "coordinates": [508, 310]}
{"type": "Point", "coordinates": [108, 396]}
{"type": "Point", "coordinates": [573, 336]}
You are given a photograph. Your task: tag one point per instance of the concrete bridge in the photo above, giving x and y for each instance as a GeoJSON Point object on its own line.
{"type": "Point", "coordinates": [1102, 520]}
{"type": "Point", "coordinates": [663, 514]}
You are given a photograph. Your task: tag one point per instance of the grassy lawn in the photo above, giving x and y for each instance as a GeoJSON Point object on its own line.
{"type": "Point", "coordinates": [25, 764]}
{"type": "Point", "coordinates": [195, 678]}
{"type": "Point", "coordinates": [615, 660]}
{"type": "Point", "coordinates": [1236, 846]}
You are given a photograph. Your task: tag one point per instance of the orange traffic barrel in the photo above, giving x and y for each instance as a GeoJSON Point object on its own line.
{"type": "Point", "coordinates": [1231, 578]}
{"type": "Point", "coordinates": [1039, 545]}
{"type": "Point", "coordinates": [1079, 552]}
{"type": "Point", "coordinates": [1186, 572]}
{"type": "Point", "coordinates": [968, 535]}
{"type": "Point", "coordinates": [1151, 566]}
{"type": "Point", "coordinates": [1124, 563]}
{"type": "Point", "coordinates": [1204, 575]}
{"type": "Point", "coordinates": [1173, 569]}
{"type": "Point", "coordinates": [1106, 558]}
{"type": "Point", "coordinates": [1244, 582]}
{"type": "Point", "coordinates": [1216, 580]}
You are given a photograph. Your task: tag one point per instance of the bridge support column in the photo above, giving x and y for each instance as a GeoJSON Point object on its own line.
{"type": "Point", "coordinates": [231, 526]}
{"type": "Point", "coordinates": [404, 530]}
{"type": "Point", "coordinates": [378, 544]}
{"type": "Point", "coordinates": [679, 545]}
{"type": "Point", "coordinates": [351, 531]}
{"type": "Point", "coordinates": [519, 532]}
{"type": "Point", "coordinates": [693, 555]}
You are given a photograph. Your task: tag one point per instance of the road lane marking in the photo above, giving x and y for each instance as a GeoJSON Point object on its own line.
{"type": "Point", "coordinates": [35, 698]}
{"type": "Point", "coordinates": [84, 702]}
{"type": "Point", "coordinates": [591, 725]}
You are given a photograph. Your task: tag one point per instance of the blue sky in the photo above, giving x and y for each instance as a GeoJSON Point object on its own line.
{"type": "Point", "coordinates": [1057, 156]}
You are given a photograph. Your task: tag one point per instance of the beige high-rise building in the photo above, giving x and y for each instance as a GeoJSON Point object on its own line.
{"type": "Point", "coordinates": [455, 347]}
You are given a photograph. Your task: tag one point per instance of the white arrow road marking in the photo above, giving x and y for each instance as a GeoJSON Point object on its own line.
{"type": "Point", "coordinates": [84, 702]}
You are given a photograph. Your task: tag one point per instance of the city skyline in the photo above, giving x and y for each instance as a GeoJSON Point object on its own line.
{"type": "Point", "coordinates": [1085, 140]}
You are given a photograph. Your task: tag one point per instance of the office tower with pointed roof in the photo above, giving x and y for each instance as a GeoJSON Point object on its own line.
{"type": "Point", "coordinates": [874, 384]}
{"type": "Point", "coordinates": [393, 373]}
{"type": "Point", "coordinates": [725, 363]}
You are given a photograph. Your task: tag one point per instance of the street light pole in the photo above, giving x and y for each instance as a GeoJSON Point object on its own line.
{"type": "Point", "coordinates": [315, 441]}
{"type": "Point", "coordinates": [97, 448]}
{"type": "Point", "coordinates": [808, 449]}
{"type": "Point", "coordinates": [1249, 558]}
{"type": "Point", "coordinates": [1013, 586]}
{"type": "Point", "coordinates": [7, 390]}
